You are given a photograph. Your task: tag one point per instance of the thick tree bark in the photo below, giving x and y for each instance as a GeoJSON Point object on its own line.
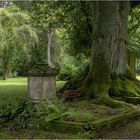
{"type": "Point", "coordinates": [108, 73]}
{"type": "Point", "coordinates": [109, 49]}
{"type": "Point", "coordinates": [132, 62]}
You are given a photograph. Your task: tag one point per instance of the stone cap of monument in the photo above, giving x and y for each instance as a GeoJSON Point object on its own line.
{"type": "Point", "coordinates": [42, 70]}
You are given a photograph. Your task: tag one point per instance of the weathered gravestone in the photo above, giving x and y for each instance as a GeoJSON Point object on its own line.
{"type": "Point", "coordinates": [41, 77]}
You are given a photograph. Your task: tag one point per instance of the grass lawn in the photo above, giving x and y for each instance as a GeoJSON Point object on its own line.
{"type": "Point", "coordinates": [14, 88]}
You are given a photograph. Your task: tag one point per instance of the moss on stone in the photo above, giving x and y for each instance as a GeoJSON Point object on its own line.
{"type": "Point", "coordinates": [41, 70]}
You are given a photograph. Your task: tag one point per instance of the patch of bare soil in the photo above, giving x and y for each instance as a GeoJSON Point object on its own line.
{"type": "Point", "coordinates": [129, 131]}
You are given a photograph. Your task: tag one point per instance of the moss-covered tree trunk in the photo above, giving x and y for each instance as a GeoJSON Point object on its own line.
{"type": "Point", "coordinates": [132, 61]}
{"type": "Point", "coordinates": [108, 55]}
{"type": "Point", "coordinates": [108, 72]}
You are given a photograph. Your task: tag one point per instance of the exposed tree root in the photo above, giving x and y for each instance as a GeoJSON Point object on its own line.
{"type": "Point", "coordinates": [120, 86]}
{"type": "Point", "coordinates": [75, 82]}
{"type": "Point", "coordinates": [108, 101]}
{"type": "Point", "coordinates": [124, 87]}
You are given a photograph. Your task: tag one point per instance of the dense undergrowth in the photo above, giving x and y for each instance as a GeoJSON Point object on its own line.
{"type": "Point", "coordinates": [18, 114]}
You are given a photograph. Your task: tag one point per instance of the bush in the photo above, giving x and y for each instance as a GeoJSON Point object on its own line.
{"type": "Point", "coordinates": [67, 72]}
{"type": "Point", "coordinates": [22, 111]}
{"type": "Point", "coordinates": [52, 110]}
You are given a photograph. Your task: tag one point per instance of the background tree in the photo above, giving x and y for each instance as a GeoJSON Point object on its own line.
{"type": "Point", "coordinates": [134, 30]}
{"type": "Point", "coordinates": [16, 36]}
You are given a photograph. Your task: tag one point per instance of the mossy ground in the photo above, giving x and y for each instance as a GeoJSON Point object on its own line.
{"type": "Point", "coordinates": [128, 131]}
{"type": "Point", "coordinates": [125, 88]}
{"type": "Point", "coordinates": [34, 134]}
{"type": "Point", "coordinates": [17, 88]}
{"type": "Point", "coordinates": [98, 112]}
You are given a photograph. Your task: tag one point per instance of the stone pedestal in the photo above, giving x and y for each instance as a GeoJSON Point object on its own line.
{"type": "Point", "coordinates": [41, 83]}
{"type": "Point", "coordinates": [41, 88]}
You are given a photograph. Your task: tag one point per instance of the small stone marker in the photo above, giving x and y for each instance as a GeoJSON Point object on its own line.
{"type": "Point", "coordinates": [41, 77]}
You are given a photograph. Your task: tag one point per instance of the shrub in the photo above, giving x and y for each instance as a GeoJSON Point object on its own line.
{"type": "Point", "coordinates": [22, 111]}
{"type": "Point", "coordinates": [67, 72]}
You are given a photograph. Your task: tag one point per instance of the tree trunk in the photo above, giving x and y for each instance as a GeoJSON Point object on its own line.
{"type": "Point", "coordinates": [4, 72]}
{"type": "Point", "coordinates": [4, 76]}
{"type": "Point", "coordinates": [51, 48]}
{"type": "Point", "coordinates": [132, 62]}
{"type": "Point", "coordinates": [109, 49]}
{"type": "Point", "coordinates": [108, 73]}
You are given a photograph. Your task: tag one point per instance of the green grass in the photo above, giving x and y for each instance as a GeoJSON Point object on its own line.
{"type": "Point", "coordinates": [14, 81]}
{"type": "Point", "coordinates": [138, 77]}
{"type": "Point", "coordinates": [14, 88]}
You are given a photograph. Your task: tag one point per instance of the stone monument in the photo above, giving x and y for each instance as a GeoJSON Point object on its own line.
{"type": "Point", "coordinates": [41, 76]}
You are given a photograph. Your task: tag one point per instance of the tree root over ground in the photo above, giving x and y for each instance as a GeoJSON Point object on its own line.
{"type": "Point", "coordinates": [108, 101]}
{"type": "Point", "coordinates": [121, 86]}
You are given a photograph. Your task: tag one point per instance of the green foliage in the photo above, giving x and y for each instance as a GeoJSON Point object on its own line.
{"type": "Point", "coordinates": [73, 23]}
{"type": "Point", "coordinates": [73, 32]}
{"type": "Point", "coordinates": [18, 112]}
{"type": "Point", "coordinates": [10, 111]}
{"type": "Point", "coordinates": [134, 31]}
{"type": "Point", "coordinates": [74, 28]}
{"type": "Point", "coordinates": [16, 36]}
{"type": "Point", "coordinates": [67, 72]}
{"type": "Point", "coordinates": [89, 133]}
{"type": "Point", "coordinates": [55, 110]}
{"type": "Point", "coordinates": [48, 111]}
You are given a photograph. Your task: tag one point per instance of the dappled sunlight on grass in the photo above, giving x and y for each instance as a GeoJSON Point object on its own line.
{"type": "Point", "coordinates": [59, 84]}
{"type": "Point", "coordinates": [14, 81]}
{"type": "Point", "coordinates": [16, 88]}
{"type": "Point", "coordinates": [138, 77]}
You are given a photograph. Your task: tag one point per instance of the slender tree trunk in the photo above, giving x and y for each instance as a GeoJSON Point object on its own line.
{"type": "Point", "coordinates": [4, 72]}
{"type": "Point", "coordinates": [51, 48]}
{"type": "Point", "coordinates": [109, 49]}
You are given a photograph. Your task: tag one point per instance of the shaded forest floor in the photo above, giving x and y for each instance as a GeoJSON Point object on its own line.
{"type": "Point", "coordinates": [128, 131]}
{"type": "Point", "coordinates": [14, 88]}
{"type": "Point", "coordinates": [33, 134]}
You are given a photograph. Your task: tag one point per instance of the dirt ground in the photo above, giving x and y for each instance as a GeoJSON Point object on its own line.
{"type": "Point", "coordinates": [128, 131]}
